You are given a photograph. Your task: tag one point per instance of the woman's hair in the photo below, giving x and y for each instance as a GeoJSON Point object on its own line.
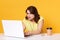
{"type": "Point", "coordinates": [34, 11]}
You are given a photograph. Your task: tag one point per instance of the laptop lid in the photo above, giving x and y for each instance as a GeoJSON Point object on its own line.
{"type": "Point", "coordinates": [13, 28]}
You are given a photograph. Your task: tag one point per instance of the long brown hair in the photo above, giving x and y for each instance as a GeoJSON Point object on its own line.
{"type": "Point", "coordinates": [34, 11]}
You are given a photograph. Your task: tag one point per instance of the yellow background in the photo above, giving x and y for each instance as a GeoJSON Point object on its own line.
{"type": "Point", "coordinates": [15, 10]}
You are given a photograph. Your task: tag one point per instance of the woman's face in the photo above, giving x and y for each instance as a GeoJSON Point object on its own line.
{"type": "Point", "coordinates": [29, 15]}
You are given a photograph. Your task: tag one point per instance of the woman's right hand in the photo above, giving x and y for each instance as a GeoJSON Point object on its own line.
{"type": "Point", "coordinates": [28, 33]}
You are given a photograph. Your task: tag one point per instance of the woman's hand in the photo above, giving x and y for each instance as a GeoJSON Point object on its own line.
{"type": "Point", "coordinates": [32, 32]}
{"type": "Point", "coordinates": [28, 33]}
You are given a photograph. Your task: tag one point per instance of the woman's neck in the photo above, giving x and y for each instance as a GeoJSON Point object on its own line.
{"type": "Point", "coordinates": [32, 20]}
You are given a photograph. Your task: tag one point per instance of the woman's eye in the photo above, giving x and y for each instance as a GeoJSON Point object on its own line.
{"type": "Point", "coordinates": [31, 14]}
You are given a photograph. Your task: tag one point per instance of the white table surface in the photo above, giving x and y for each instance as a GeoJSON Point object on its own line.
{"type": "Point", "coordinates": [34, 37]}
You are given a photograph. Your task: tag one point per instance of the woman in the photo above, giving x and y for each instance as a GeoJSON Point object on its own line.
{"type": "Point", "coordinates": [33, 22]}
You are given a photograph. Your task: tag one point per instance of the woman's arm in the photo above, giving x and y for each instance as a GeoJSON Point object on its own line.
{"type": "Point", "coordinates": [38, 31]}
{"type": "Point", "coordinates": [40, 25]}
{"type": "Point", "coordinates": [23, 26]}
{"type": "Point", "coordinates": [27, 32]}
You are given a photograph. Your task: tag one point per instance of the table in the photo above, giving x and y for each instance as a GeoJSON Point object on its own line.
{"type": "Point", "coordinates": [55, 36]}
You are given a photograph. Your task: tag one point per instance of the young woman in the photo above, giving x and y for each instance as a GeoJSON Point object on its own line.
{"type": "Point", "coordinates": [33, 22]}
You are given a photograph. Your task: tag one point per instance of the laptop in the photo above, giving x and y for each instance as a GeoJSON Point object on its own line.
{"type": "Point", "coordinates": [13, 28]}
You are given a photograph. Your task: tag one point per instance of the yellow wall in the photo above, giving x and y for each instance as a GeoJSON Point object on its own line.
{"type": "Point", "coordinates": [15, 9]}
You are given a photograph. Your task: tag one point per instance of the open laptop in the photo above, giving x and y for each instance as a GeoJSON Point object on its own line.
{"type": "Point", "coordinates": [13, 28]}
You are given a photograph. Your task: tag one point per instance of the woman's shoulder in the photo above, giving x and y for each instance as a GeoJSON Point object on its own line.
{"type": "Point", "coordinates": [41, 18]}
{"type": "Point", "coordinates": [24, 20]}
